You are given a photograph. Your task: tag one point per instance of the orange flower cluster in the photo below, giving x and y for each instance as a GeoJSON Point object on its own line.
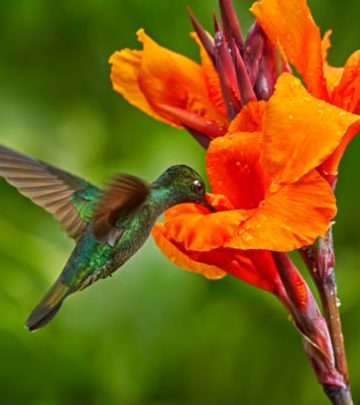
{"type": "Point", "coordinates": [267, 165]}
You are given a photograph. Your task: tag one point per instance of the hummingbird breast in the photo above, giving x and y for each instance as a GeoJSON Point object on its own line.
{"type": "Point", "coordinates": [134, 234]}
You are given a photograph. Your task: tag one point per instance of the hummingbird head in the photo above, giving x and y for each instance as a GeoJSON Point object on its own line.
{"type": "Point", "coordinates": [184, 184]}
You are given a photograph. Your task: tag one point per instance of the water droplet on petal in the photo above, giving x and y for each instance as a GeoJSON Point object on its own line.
{"type": "Point", "coordinates": [274, 187]}
{"type": "Point", "coordinates": [338, 302]}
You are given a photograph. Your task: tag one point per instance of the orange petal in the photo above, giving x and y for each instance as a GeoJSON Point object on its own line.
{"type": "Point", "coordinates": [182, 259]}
{"type": "Point", "coordinates": [203, 231]}
{"type": "Point", "coordinates": [347, 93]}
{"type": "Point", "coordinates": [233, 168]}
{"type": "Point", "coordinates": [218, 201]}
{"type": "Point", "coordinates": [263, 267]}
{"type": "Point", "coordinates": [332, 74]}
{"type": "Point", "coordinates": [162, 77]}
{"type": "Point", "coordinates": [249, 118]}
{"type": "Point", "coordinates": [289, 24]}
{"type": "Point", "coordinates": [126, 66]}
{"type": "Point", "coordinates": [289, 217]}
{"type": "Point", "coordinates": [253, 267]}
{"type": "Point", "coordinates": [300, 131]}
{"type": "Point", "coordinates": [330, 166]}
{"type": "Point", "coordinates": [211, 78]}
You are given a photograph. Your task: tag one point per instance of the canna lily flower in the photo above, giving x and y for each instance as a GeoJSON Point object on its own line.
{"type": "Point", "coordinates": [264, 150]}
{"type": "Point", "coordinates": [273, 148]}
{"type": "Point", "coordinates": [205, 98]}
{"type": "Point", "coordinates": [202, 98]}
{"type": "Point", "coordinates": [267, 191]}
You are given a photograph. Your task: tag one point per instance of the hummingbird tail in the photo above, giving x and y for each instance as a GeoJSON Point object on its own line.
{"type": "Point", "coordinates": [48, 306]}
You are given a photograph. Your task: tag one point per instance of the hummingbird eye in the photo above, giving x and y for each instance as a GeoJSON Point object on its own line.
{"type": "Point", "coordinates": [198, 186]}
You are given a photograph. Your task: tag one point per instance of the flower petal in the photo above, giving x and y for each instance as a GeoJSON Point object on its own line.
{"type": "Point", "coordinates": [218, 202]}
{"type": "Point", "coordinates": [347, 93]}
{"type": "Point", "coordinates": [157, 76]}
{"type": "Point", "coordinates": [234, 170]}
{"type": "Point", "coordinates": [332, 74]}
{"type": "Point", "coordinates": [201, 231]}
{"type": "Point", "coordinates": [300, 131]}
{"type": "Point", "coordinates": [182, 258]}
{"type": "Point", "coordinates": [290, 216]}
{"type": "Point", "coordinates": [253, 267]}
{"type": "Point", "coordinates": [211, 78]}
{"type": "Point", "coordinates": [126, 66]}
{"type": "Point", "coordinates": [289, 23]}
{"type": "Point", "coordinates": [330, 166]}
{"type": "Point", "coordinates": [249, 118]}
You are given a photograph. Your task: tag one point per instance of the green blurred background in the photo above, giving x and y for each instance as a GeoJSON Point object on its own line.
{"type": "Point", "coordinates": [153, 334]}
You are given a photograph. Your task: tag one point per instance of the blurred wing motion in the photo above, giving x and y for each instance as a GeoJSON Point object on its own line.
{"type": "Point", "coordinates": [122, 198]}
{"type": "Point", "coordinates": [65, 196]}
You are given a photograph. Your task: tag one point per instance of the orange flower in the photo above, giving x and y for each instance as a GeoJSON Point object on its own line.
{"type": "Point", "coordinates": [170, 87]}
{"type": "Point", "coordinates": [203, 98]}
{"type": "Point", "coordinates": [290, 25]}
{"type": "Point", "coordinates": [266, 150]}
{"type": "Point", "coordinates": [266, 185]}
{"type": "Point", "coordinates": [273, 149]}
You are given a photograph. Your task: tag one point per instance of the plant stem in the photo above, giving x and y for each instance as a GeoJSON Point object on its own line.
{"type": "Point", "coordinates": [338, 395]}
{"type": "Point", "coordinates": [320, 263]}
{"type": "Point", "coordinates": [316, 336]}
{"type": "Point", "coordinates": [328, 292]}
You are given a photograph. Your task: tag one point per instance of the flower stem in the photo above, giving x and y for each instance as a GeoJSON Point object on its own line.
{"type": "Point", "coordinates": [313, 327]}
{"type": "Point", "coordinates": [328, 293]}
{"type": "Point", "coordinates": [320, 263]}
{"type": "Point", "coordinates": [338, 395]}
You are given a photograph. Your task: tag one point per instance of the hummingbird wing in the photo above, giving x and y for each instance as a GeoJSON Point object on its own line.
{"type": "Point", "coordinates": [68, 198]}
{"type": "Point", "coordinates": [122, 199]}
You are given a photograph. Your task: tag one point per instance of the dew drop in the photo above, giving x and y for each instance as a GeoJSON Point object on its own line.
{"type": "Point", "coordinates": [291, 117]}
{"type": "Point", "coordinates": [274, 187]}
{"type": "Point", "coordinates": [338, 302]}
{"type": "Point", "coordinates": [247, 237]}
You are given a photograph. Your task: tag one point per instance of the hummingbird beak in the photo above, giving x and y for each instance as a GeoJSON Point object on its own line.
{"type": "Point", "coordinates": [207, 205]}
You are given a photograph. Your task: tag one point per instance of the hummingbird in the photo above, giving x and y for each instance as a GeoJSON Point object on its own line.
{"type": "Point", "coordinates": [109, 225]}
